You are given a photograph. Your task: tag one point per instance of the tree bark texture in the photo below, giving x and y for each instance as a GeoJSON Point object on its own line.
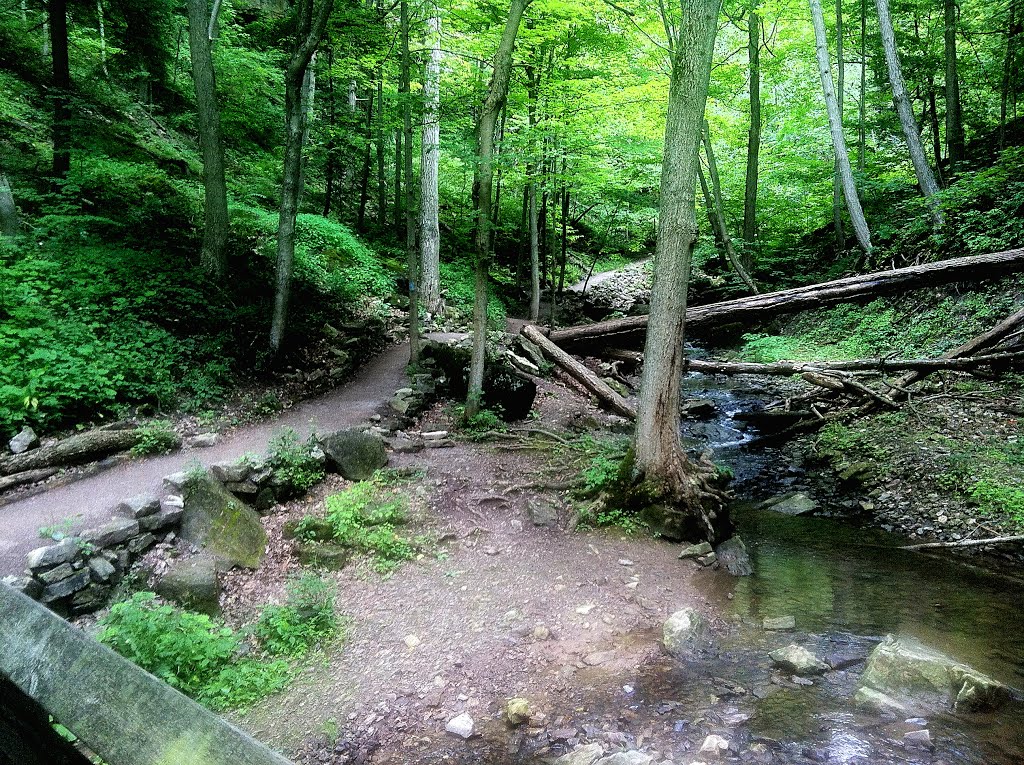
{"type": "Point", "coordinates": [837, 176]}
{"type": "Point", "coordinates": [954, 118]}
{"type": "Point", "coordinates": [83, 447]}
{"type": "Point", "coordinates": [430, 233]}
{"type": "Point", "coordinates": [10, 224]}
{"type": "Point", "coordinates": [57, 18]}
{"type": "Point", "coordinates": [483, 180]}
{"type": "Point", "coordinates": [412, 256]}
{"type": "Point", "coordinates": [659, 464]}
{"type": "Point", "coordinates": [925, 177]}
{"type": "Point", "coordinates": [213, 256]}
{"type": "Point", "coordinates": [310, 25]}
{"type": "Point", "coordinates": [860, 226]}
{"type": "Point", "coordinates": [758, 307]}
{"type": "Point", "coordinates": [753, 134]}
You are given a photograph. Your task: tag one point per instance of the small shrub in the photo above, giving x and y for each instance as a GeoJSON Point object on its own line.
{"type": "Point", "coordinates": [308, 617]}
{"type": "Point", "coordinates": [296, 471]}
{"type": "Point", "coordinates": [189, 651]}
{"type": "Point", "coordinates": [483, 421]}
{"type": "Point", "coordinates": [156, 437]}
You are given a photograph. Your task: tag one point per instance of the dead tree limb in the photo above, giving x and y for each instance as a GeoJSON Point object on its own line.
{"type": "Point", "coordinates": [632, 329]}
{"type": "Point", "coordinates": [84, 447]}
{"type": "Point", "coordinates": [966, 543]}
{"type": "Point", "coordinates": [580, 373]}
{"type": "Point", "coordinates": [26, 476]}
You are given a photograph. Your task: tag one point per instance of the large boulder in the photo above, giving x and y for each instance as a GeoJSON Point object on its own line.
{"type": "Point", "coordinates": [222, 524]}
{"type": "Point", "coordinates": [682, 631]}
{"type": "Point", "coordinates": [797, 503]}
{"type": "Point", "coordinates": [918, 676]}
{"type": "Point", "coordinates": [506, 391]}
{"type": "Point", "coordinates": [193, 583]}
{"type": "Point", "coordinates": [354, 454]}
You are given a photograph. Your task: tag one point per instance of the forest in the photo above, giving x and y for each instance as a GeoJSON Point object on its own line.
{"type": "Point", "coordinates": [579, 381]}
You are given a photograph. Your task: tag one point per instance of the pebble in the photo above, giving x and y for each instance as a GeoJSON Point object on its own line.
{"type": "Point", "coordinates": [461, 726]}
{"type": "Point", "coordinates": [412, 641]}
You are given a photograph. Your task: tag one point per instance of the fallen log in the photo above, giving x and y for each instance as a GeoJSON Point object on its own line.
{"type": "Point", "coordinates": [848, 386]}
{"type": "Point", "coordinates": [631, 329]}
{"type": "Point", "coordinates": [26, 476]}
{"type": "Point", "coordinates": [966, 543]}
{"type": "Point", "coordinates": [580, 373]}
{"type": "Point", "coordinates": [83, 447]}
{"type": "Point", "coordinates": [790, 368]}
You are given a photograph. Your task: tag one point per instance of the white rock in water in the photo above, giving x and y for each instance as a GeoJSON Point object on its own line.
{"type": "Point", "coordinates": [681, 631]}
{"type": "Point", "coordinates": [797, 659]}
{"type": "Point", "coordinates": [461, 726]}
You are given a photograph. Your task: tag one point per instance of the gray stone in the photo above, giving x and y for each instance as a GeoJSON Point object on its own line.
{"type": "Point", "coordinates": [142, 542]}
{"type": "Point", "coordinates": [732, 554]}
{"type": "Point", "coordinates": [43, 557]}
{"type": "Point", "coordinates": [323, 555]}
{"type": "Point", "coordinates": [113, 533]}
{"type": "Point", "coordinates": [695, 551]}
{"type": "Point", "coordinates": [25, 585]}
{"type": "Point", "coordinates": [798, 660]}
{"type": "Point", "coordinates": [582, 755]}
{"type": "Point", "coordinates": [174, 482]}
{"type": "Point", "coordinates": [231, 472]}
{"type": "Point", "coordinates": [55, 574]}
{"type": "Point", "coordinates": [699, 409]}
{"type": "Point", "coordinates": [66, 587]}
{"type": "Point", "coordinates": [919, 739]}
{"type": "Point", "coordinates": [462, 726]}
{"type": "Point", "coordinates": [91, 598]}
{"type": "Point", "coordinates": [25, 440]}
{"type": "Point", "coordinates": [542, 512]}
{"type": "Point", "coordinates": [193, 583]}
{"type": "Point", "coordinates": [682, 630]}
{"type": "Point", "coordinates": [919, 676]}
{"type": "Point", "coordinates": [354, 454]}
{"type": "Point", "coordinates": [139, 507]}
{"type": "Point", "coordinates": [631, 757]}
{"type": "Point", "coordinates": [204, 440]}
{"type": "Point", "coordinates": [708, 560]}
{"type": "Point", "coordinates": [779, 623]}
{"type": "Point", "coordinates": [167, 517]}
{"type": "Point", "coordinates": [102, 569]}
{"type": "Point", "coordinates": [400, 405]}
{"type": "Point", "coordinates": [247, 488]}
{"type": "Point", "coordinates": [406, 446]}
{"type": "Point", "coordinates": [794, 504]}
{"type": "Point", "coordinates": [221, 523]}
{"type": "Point", "coordinates": [714, 746]}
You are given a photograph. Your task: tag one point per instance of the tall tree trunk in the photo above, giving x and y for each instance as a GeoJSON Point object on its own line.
{"type": "Point", "coordinates": [10, 225]}
{"type": "Point", "coordinates": [862, 128]}
{"type": "Point", "coordinates": [430, 232]}
{"type": "Point", "coordinates": [103, 37]}
{"type": "Point", "coordinates": [719, 209]}
{"type": "Point", "coordinates": [364, 180]}
{"type": "Point", "coordinates": [308, 95]}
{"type": "Point", "coordinates": [753, 134]}
{"type": "Point", "coordinates": [412, 256]}
{"type": "Point", "coordinates": [332, 116]}
{"type": "Point", "coordinates": [933, 113]}
{"type": "Point", "coordinates": [1013, 30]}
{"type": "Point", "coordinates": [213, 256]}
{"type": "Point", "coordinates": [483, 178]}
{"type": "Point", "coordinates": [310, 25]}
{"type": "Point", "coordinates": [954, 116]}
{"type": "Point", "coordinates": [382, 185]}
{"type": "Point", "coordinates": [57, 17]}
{"type": "Point", "coordinates": [837, 176]}
{"type": "Point", "coordinates": [929, 187]}
{"type": "Point", "coordinates": [659, 463]}
{"type": "Point", "coordinates": [399, 212]}
{"type": "Point", "coordinates": [532, 172]}
{"type": "Point", "coordinates": [860, 226]}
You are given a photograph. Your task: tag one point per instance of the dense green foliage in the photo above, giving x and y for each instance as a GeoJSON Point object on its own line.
{"type": "Point", "coordinates": [295, 469]}
{"type": "Point", "coordinates": [307, 618]}
{"type": "Point", "coordinates": [191, 652]}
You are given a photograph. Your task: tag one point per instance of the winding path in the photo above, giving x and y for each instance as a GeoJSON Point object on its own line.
{"type": "Point", "coordinates": [90, 501]}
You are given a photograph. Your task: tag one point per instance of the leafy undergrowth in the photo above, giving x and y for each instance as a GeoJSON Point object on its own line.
{"type": "Point", "coordinates": [368, 518]}
{"type": "Point", "coordinates": [921, 325]}
{"type": "Point", "coordinates": [207, 660]}
{"type": "Point", "coordinates": [962, 457]}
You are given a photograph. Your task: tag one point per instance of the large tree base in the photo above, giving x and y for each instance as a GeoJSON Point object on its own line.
{"type": "Point", "coordinates": [686, 502]}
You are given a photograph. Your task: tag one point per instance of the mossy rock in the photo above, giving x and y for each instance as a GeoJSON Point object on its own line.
{"type": "Point", "coordinates": [323, 555]}
{"type": "Point", "coordinates": [354, 454]}
{"type": "Point", "coordinates": [193, 583]}
{"type": "Point", "coordinates": [222, 524]}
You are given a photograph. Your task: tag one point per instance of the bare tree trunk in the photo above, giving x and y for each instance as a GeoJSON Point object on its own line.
{"type": "Point", "coordinates": [954, 118]}
{"type": "Point", "coordinates": [382, 186]}
{"type": "Point", "coordinates": [412, 256]}
{"type": "Point", "coordinates": [534, 254]}
{"type": "Point", "coordinates": [860, 226]}
{"type": "Point", "coordinates": [364, 180]}
{"type": "Point", "coordinates": [719, 210]}
{"type": "Point", "coordinates": [103, 37]}
{"type": "Point", "coordinates": [660, 465]}
{"type": "Point", "coordinates": [213, 256]}
{"type": "Point", "coordinates": [1013, 30]}
{"type": "Point", "coordinates": [10, 225]}
{"type": "Point", "coordinates": [430, 233]}
{"type": "Point", "coordinates": [483, 178]}
{"type": "Point", "coordinates": [933, 112]}
{"type": "Point", "coordinates": [925, 178]}
{"type": "Point", "coordinates": [863, 100]}
{"type": "Point", "coordinates": [837, 177]}
{"type": "Point", "coordinates": [753, 134]}
{"type": "Point", "coordinates": [57, 18]}
{"type": "Point", "coordinates": [309, 31]}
